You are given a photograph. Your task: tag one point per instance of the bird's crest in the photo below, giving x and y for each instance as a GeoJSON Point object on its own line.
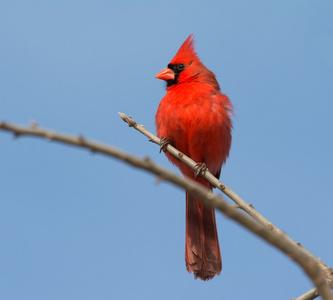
{"type": "Point", "coordinates": [186, 52]}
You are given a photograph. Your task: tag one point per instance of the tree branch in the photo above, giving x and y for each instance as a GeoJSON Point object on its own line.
{"type": "Point", "coordinates": [207, 175]}
{"type": "Point", "coordinates": [248, 208]}
{"type": "Point", "coordinates": [310, 295]}
{"type": "Point", "coordinates": [309, 263]}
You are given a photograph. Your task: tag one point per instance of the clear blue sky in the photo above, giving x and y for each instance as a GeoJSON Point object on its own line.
{"type": "Point", "coordinates": [79, 226]}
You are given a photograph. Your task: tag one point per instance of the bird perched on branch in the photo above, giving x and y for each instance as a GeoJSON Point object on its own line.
{"type": "Point", "coordinates": [195, 117]}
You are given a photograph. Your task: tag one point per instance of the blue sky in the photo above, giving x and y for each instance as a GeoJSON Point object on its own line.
{"type": "Point", "coordinates": [74, 225]}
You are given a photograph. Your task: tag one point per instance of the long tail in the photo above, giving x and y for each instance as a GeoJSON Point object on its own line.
{"type": "Point", "coordinates": [202, 250]}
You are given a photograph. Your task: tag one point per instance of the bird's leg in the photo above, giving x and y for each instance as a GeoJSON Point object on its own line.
{"type": "Point", "coordinates": [199, 168]}
{"type": "Point", "coordinates": [164, 143]}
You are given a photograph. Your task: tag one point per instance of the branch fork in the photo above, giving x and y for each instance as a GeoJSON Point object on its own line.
{"type": "Point", "coordinates": [320, 274]}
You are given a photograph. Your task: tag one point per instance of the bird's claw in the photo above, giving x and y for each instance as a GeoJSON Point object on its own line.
{"type": "Point", "coordinates": [199, 168]}
{"type": "Point", "coordinates": [164, 143]}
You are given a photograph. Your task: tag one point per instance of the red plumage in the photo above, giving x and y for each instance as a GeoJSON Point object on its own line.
{"type": "Point", "coordinates": [196, 118]}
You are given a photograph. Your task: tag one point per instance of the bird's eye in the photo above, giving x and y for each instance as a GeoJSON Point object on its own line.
{"type": "Point", "coordinates": [180, 67]}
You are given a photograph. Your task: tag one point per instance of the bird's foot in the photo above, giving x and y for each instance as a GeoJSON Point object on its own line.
{"type": "Point", "coordinates": [199, 169]}
{"type": "Point", "coordinates": [164, 143]}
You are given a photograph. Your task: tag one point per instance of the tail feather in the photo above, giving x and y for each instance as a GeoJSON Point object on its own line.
{"type": "Point", "coordinates": [202, 250]}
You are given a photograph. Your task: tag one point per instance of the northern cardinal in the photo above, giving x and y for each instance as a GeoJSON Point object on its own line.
{"type": "Point", "coordinates": [195, 117]}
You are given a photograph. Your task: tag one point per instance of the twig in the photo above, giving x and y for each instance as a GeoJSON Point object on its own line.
{"type": "Point", "coordinates": [248, 208]}
{"type": "Point", "coordinates": [276, 238]}
{"type": "Point", "coordinates": [310, 295]}
{"type": "Point", "coordinates": [207, 175]}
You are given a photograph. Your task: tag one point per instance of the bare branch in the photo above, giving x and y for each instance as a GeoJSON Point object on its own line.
{"type": "Point", "coordinates": [310, 264]}
{"type": "Point", "coordinates": [207, 175]}
{"type": "Point", "coordinates": [310, 295]}
{"type": "Point", "coordinates": [248, 208]}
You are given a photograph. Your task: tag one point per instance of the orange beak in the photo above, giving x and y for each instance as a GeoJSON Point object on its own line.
{"type": "Point", "coordinates": [166, 74]}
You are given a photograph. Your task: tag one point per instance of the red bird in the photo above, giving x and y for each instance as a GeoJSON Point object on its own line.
{"type": "Point", "coordinates": [195, 117]}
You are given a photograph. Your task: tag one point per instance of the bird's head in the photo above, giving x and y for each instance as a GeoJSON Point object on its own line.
{"type": "Point", "coordinates": [186, 67]}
